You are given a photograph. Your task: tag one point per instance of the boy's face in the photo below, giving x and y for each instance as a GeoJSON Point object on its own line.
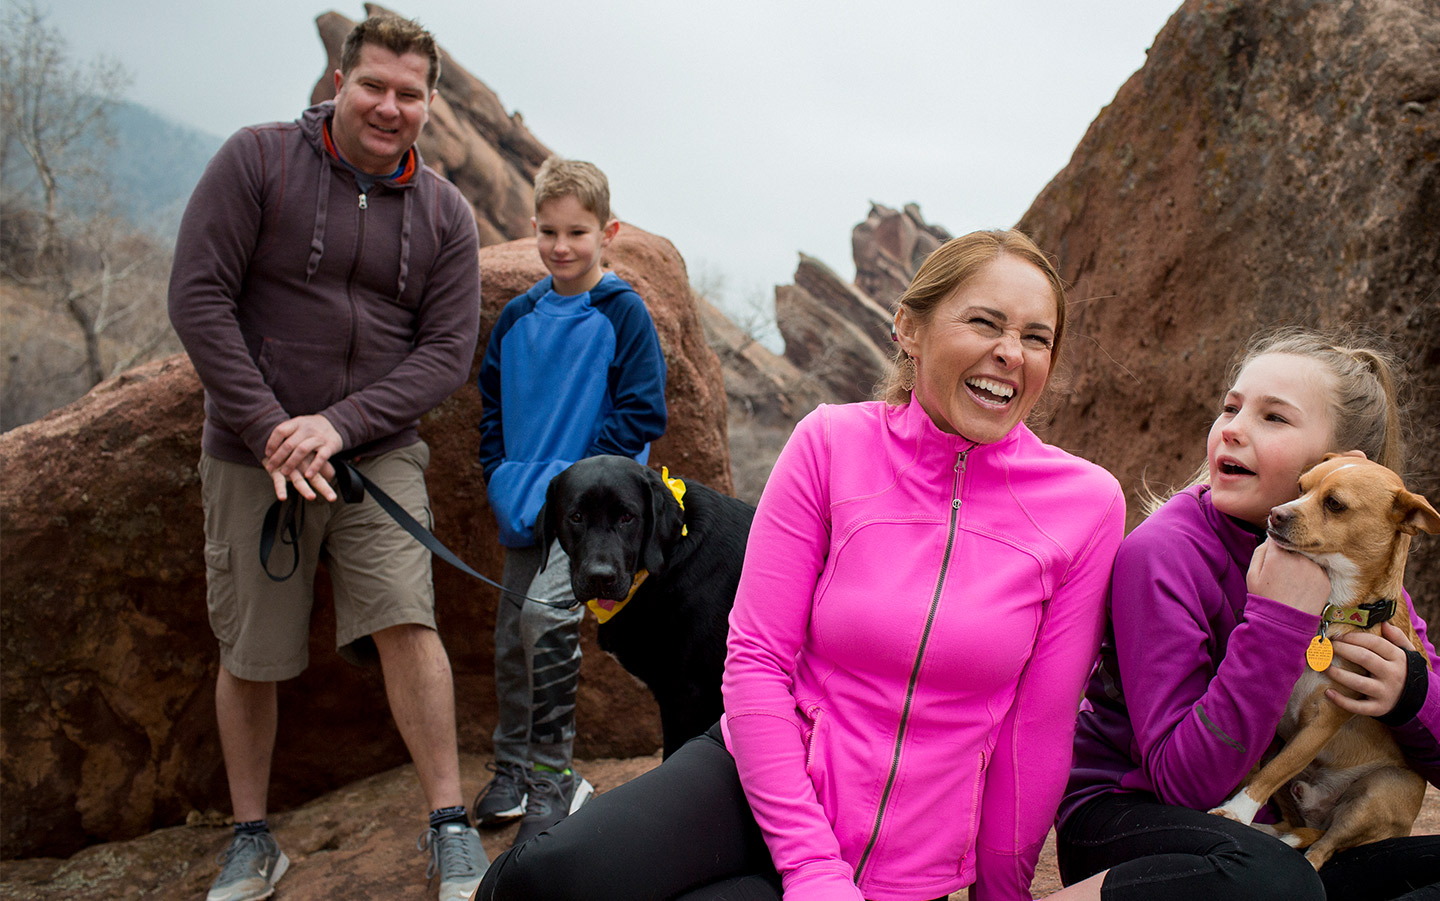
{"type": "Point", "coordinates": [571, 239]}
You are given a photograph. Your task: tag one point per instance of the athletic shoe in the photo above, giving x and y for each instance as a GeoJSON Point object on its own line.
{"type": "Point", "coordinates": [456, 854]}
{"type": "Point", "coordinates": [553, 797]}
{"type": "Point", "coordinates": [503, 798]}
{"type": "Point", "coordinates": [250, 867]}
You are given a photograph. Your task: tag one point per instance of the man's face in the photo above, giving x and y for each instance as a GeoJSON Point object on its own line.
{"type": "Point", "coordinates": [380, 107]}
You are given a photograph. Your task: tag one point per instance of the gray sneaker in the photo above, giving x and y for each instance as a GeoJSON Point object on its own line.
{"type": "Point", "coordinates": [553, 797]}
{"type": "Point", "coordinates": [456, 854]}
{"type": "Point", "coordinates": [250, 867]}
{"type": "Point", "coordinates": [503, 798]}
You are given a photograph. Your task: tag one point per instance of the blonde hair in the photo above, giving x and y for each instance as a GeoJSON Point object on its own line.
{"type": "Point", "coordinates": [560, 177]}
{"type": "Point", "coordinates": [399, 36]}
{"type": "Point", "coordinates": [1365, 393]}
{"type": "Point", "coordinates": [949, 267]}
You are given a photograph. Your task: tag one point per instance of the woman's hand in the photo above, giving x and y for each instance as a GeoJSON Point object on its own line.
{"type": "Point", "coordinates": [1383, 656]}
{"type": "Point", "coordinates": [1288, 577]}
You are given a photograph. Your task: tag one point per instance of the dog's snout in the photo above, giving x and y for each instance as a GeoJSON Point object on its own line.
{"type": "Point", "coordinates": [1280, 517]}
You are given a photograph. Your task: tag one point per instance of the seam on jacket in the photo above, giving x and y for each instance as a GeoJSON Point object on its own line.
{"type": "Point", "coordinates": [1216, 730]}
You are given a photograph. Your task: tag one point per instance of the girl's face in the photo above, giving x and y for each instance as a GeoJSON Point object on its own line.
{"type": "Point", "coordinates": [1276, 423]}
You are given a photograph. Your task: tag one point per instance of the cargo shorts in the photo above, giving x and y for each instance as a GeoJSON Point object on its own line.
{"type": "Point", "coordinates": [379, 573]}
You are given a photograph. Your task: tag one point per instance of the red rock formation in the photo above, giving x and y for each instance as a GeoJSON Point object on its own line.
{"type": "Point", "coordinates": [889, 247]}
{"type": "Point", "coordinates": [1271, 163]}
{"type": "Point", "coordinates": [470, 139]}
{"type": "Point", "coordinates": [108, 661]}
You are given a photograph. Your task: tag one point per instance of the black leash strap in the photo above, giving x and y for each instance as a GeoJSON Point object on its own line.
{"type": "Point", "coordinates": [351, 484]}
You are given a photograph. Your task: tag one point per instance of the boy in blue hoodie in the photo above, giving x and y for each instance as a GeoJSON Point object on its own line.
{"type": "Point", "coordinates": [573, 370]}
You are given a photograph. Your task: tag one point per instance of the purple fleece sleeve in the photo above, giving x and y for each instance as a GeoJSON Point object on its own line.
{"type": "Point", "coordinates": [1204, 701]}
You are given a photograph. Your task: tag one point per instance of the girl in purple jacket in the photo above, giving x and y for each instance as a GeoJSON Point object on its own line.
{"type": "Point", "coordinates": [1208, 630]}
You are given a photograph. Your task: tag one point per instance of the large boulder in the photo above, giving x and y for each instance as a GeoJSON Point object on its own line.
{"type": "Point", "coordinates": [107, 663]}
{"type": "Point", "coordinates": [1271, 163]}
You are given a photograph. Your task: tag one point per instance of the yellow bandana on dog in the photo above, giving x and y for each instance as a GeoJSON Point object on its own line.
{"type": "Point", "coordinates": [604, 608]}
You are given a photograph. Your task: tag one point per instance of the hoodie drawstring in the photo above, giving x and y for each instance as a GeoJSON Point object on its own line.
{"type": "Point", "coordinates": [405, 243]}
{"type": "Point", "coordinates": [317, 238]}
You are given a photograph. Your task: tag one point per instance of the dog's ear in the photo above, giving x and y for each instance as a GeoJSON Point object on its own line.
{"type": "Point", "coordinates": [664, 521]}
{"type": "Point", "coordinates": [545, 530]}
{"type": "Point", "coordinates": [1414, 514]}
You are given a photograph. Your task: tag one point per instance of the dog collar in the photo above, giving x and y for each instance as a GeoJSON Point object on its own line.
{"type": "Point", "coordinates": [677, 488]}
{"type": "Point", "coordinates": [1362, 615]}
{"type": "Point", "coordinates": [604, 609]}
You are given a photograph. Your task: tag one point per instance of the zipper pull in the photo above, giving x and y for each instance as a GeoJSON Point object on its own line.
{"type": "Point", "coordinates": [363, 202]}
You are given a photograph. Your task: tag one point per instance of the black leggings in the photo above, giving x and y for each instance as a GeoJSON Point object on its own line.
{"type": "Point", "coordinates": [1153, 850]}
{"type": "Point", "coordinates": [682, 830]}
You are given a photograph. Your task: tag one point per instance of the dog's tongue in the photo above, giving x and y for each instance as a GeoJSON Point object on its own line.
{"type": "Point", "coordinates": [606, 603]}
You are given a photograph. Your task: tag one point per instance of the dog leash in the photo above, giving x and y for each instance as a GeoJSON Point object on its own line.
{"type": "Point", "coordinates": [285, 518]}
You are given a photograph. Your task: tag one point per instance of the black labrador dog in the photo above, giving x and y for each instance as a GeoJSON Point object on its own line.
{"type": "Point", "coordinates": [616, 517]}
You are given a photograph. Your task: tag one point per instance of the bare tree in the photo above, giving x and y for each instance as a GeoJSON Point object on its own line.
{"type": "Point", "coordinates": [49, 106]}
{"type": "Point", "coordinates": [66, 266]}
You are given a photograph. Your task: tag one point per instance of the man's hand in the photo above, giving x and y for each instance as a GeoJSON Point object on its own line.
{"type": "Point", "coordinates": [1383, 656]}
{"type": "Point", "coordinates": [299, 452]}
{"type": "Point", "coordinates": [1287, 577]}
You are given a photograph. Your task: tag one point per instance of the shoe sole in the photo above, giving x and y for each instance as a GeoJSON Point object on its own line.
{"type": "Point", "coordinates": [583, 792]}
{"type": "Point", "coordinates": [500, 818]}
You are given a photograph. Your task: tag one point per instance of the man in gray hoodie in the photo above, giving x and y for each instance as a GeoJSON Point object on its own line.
{"type": "Point", "coordinates": [327, 289]}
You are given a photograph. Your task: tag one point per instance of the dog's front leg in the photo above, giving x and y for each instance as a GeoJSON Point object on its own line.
{"type": "Point", "coordinates": [1289, 763]}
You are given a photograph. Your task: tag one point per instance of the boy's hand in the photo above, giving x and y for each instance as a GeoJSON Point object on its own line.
{"type": "Point", "coordinates": [299, 452]}
{"type": "Point", "coordinates": [1383, 656]}
{"type": "Point", "coordinates": [1287, 577]}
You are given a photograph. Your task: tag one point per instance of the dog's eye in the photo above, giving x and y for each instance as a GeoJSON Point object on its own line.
{"type": "Point", "coordinates": [575, 518]}
{"type": "Point", "coordinates": [1333, 505]}
{"type": "Point", "coordinates": [627, 517]}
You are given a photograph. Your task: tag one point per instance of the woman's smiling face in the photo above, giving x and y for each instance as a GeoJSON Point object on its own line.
{"type": "Point", "coordinates": [983, 358]}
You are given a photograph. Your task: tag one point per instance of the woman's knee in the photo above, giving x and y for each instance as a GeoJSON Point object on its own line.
{"type": "Point", "coordinates": [530, 871]}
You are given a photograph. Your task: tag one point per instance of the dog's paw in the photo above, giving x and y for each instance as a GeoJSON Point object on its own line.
{"type": "Point", "coordinates": [1227, 813]}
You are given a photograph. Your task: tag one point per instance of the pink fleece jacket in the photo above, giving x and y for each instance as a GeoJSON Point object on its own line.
{"type": "Point", "coordinates": [912, 632]}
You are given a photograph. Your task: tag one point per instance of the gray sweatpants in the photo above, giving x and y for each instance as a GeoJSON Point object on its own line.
{"type": "Point", "coordinates": [537, 661]}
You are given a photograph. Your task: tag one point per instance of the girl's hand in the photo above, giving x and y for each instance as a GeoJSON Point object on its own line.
{"type": "Point", "coordinates": [1287, 577]}
{"type": "Point", "coordinates": [1383, 656]}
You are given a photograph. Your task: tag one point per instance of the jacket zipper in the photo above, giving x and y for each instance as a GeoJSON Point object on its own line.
{"type": "Point", "coordinates": [363, 204]}
{"type": "Point", "coordinates": [915, 670]}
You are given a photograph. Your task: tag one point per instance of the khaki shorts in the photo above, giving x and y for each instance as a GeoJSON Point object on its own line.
{"type": "Point", "coordinates": [379, 573]}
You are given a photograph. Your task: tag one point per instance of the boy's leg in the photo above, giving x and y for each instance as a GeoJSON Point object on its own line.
{"type": "Point", "coordinates": [680, 827]}
{"type": "Point", "coordinates": [552, 638]}
{"type": "Point", "coordinates": [551, 634]}
{"type": "Point", "coordinates": [512, 671]}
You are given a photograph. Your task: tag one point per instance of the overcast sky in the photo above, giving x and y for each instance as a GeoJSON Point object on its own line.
{"type": "Point", "coordinates": [743, 131]}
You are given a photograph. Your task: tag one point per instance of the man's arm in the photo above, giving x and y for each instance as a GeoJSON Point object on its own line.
{"type": "Point", "coordinates": [217, 237]}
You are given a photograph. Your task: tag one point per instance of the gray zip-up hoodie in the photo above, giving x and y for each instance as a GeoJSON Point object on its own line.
{"type": "Point", "coordinates": [294, 292]}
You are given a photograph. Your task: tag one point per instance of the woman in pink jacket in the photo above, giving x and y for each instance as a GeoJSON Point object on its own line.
{"type": "Point", "coordinates": [922, 599]}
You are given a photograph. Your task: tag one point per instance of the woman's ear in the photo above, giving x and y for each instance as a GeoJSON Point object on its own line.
{"type": "Point", "coordinates": [904, 330]}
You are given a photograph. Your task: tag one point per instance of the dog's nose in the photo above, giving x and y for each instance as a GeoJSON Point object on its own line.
{"type": "Point", "coordinates": [1280, 517]}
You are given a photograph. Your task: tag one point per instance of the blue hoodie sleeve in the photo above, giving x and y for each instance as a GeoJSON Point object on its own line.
{"type": "Point", "coordinates": [637, 381]}
{"type": "Point", "coordinates": [492, 433]}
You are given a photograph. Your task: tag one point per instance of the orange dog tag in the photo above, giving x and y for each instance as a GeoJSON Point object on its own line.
{"type": "Point", "coordinates": [1320, 653]}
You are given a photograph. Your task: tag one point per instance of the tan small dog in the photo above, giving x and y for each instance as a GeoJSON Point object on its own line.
{"type": "Point", "coordinates": [1340, 779]}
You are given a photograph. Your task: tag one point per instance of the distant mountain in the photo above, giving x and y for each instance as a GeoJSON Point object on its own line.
{"type": "Point", "coordinates": [148, 171]}
{"type": "Point", "coordinates": [154, 165]}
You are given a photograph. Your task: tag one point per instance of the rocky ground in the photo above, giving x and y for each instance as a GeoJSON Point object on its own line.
{"type": "Point", "coordinates": [358, 842]}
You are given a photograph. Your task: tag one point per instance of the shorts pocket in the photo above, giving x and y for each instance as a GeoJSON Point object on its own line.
{"type": "Point", "coordinates": [221, 598]}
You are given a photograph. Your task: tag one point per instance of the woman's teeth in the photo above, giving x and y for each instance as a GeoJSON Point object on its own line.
{"type": "Point", "coordinates": [996, 391]}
